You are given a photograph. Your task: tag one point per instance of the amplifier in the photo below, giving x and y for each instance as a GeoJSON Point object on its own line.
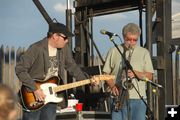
{"type": "Point", "coordinates": [86, 115]}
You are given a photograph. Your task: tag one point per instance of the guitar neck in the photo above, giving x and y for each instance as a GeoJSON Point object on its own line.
{"type": "Point", "coordinates": [71, 85]}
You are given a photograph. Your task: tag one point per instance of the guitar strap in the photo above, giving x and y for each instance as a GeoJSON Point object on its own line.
{"type": "Point", "coordinates": [119, 101]}
{"type": "Point", "coordinates": [124, 54]}
{"type": "Point", "coordinates": [125, 49]}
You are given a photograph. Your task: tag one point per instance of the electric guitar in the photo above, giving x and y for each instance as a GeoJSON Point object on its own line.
{"type": "Point", "coordinates": [50, 88]}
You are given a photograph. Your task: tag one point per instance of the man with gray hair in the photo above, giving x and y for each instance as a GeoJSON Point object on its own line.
{"type": "Point", "coordinates": [125, 101]}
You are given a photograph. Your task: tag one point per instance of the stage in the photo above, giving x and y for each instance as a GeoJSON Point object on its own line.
{"type": "Point", "coordinates": [86, 115]}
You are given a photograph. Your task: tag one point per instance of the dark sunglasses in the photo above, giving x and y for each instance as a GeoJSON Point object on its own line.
{"type": "Point", "coordinates": [64, 37]}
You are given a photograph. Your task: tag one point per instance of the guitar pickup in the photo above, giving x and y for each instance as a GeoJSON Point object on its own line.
{"type": "Point", "coordinates": [50, 90]}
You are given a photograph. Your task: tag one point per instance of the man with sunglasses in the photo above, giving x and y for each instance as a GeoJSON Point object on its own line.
{"type": "Point", "coordinates": [130, 107]}
{"type": "Point", "coordinates": [44, 59]}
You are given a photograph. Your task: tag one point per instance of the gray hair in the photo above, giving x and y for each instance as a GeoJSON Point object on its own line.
{"type": "Point", "coordinates": [132, 28]}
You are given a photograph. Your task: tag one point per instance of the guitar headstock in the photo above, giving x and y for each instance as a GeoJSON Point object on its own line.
{"type": "Point", "coordinates": [104, 77]}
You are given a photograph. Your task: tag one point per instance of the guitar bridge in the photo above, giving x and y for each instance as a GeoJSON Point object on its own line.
{"type": "Point", "coordinates": [34, 104]}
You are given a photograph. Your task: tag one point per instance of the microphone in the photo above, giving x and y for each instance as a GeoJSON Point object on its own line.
{"type": "Point", "coordinates": [153, 83]}
{"type": "Point", "coordinates": [110, 34]}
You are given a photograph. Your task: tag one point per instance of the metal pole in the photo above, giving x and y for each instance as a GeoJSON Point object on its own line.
{"type": "Point", "coordinates": [69, 21]}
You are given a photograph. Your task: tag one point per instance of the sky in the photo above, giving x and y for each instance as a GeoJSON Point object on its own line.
{"type": "Point", "coordinates": [22, 24]}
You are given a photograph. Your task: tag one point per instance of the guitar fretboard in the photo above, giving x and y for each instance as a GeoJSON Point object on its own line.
{"type": "Point", "coordinates": [81, 83]}
{"type": "Point", "coordinates": [71, 85]}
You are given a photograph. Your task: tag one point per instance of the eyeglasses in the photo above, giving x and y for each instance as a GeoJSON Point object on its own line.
{"type": "Point", "coordinates": [64, 37]}
{"type": "Point", "coordinates": [131, 39]}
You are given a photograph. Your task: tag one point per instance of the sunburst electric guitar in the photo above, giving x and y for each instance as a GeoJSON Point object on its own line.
{"type": "Point", "coordinates": [50, 88]}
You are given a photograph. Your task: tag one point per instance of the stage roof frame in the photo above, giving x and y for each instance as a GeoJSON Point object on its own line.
{"type": "Point", "coordinates": [104, 7]}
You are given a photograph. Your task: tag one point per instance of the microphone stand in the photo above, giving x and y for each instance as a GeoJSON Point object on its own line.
{"type": "Point", "coordinates": [128, 66]}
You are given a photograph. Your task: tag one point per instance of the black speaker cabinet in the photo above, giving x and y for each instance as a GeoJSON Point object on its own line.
{"type": "Point", "coordinates": [86, 115]}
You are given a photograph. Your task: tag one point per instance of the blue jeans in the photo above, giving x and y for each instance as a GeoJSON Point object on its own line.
{"type": "Point", "coordinates": [137, 111]}
{"type": "Point", "coordinates": [48, 112]}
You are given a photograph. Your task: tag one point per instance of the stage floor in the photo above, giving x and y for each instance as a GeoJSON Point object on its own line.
{"type": "Point", "coordinates": [87, 115]}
